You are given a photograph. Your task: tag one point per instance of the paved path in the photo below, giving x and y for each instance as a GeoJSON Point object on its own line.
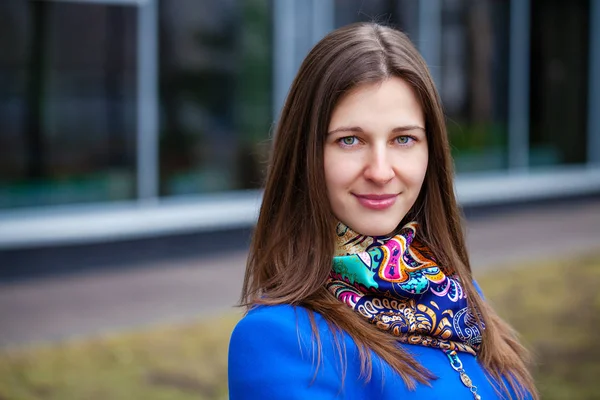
{"type": "Point", "coordinates": [63, 307]}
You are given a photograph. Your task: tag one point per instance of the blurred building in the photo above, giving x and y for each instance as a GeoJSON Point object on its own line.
{"type": "Point", "coordinates": [134, 118]}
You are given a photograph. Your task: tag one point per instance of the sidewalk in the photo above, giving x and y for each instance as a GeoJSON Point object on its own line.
{"type": "Point", "coordinates": [64, 307]}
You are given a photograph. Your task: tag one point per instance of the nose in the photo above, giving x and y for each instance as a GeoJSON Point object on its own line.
{"type": "Point", "coordinates": [379, 166]}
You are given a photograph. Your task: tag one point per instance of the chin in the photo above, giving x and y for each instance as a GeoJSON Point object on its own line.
{"type": "Point", "coordinates": [376, 230]}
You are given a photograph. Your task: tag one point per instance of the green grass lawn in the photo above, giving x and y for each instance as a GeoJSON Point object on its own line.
{"type": "Point", "coordinates": [178, 362]}
{"type": "Point", "coordinates": [555, 306]}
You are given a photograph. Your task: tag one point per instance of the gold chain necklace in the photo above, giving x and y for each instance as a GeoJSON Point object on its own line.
{"type": "Point", "coordinates": [464, 378]}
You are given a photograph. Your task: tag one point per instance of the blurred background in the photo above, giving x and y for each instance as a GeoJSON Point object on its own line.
{"type": "Point", "coordinates": [133, 142]}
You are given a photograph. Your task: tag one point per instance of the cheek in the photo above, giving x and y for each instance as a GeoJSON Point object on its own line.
{"type": "Point", "coordinates": [330, 170]}
{"type": "Point", "coordinates": [340, 170]}
{"type": "Point", "coordinates": [413, 170]}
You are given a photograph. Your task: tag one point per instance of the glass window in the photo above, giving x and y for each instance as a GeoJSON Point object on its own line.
{"type": "Point", "coordinates": [67, 102]}
{"type": "Point", "coordinates": [215, 94]}
{"type": "Point", "coordinates": [474, 81]}
{"type": "Point", "coordinates": [559, 82]}
{"type": "Point", "coordinates": [402, 14]}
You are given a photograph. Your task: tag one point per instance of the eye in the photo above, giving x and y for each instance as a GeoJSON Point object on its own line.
{"type": "Point", "coordinates": [404, 139]}
{"type": "Point", "coordinates": [348, 140]}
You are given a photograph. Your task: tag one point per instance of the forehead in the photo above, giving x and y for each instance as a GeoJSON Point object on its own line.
{"type": "Point", "coordinates": [392, 101]}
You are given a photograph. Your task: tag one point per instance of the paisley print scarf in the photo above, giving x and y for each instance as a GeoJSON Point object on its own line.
{"type": "Point", "coordinates": [396, 284]}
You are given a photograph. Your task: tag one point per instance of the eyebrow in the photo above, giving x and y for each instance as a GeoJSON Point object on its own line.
{"type": "Point", "coordinates": [358, 129]}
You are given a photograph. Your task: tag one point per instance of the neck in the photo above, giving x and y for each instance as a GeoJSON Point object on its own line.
{"type": "Point", "coordinates": [349, 241]}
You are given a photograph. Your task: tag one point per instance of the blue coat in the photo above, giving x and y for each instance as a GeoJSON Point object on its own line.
{"type": "Point", "coordinates": [270, 357]}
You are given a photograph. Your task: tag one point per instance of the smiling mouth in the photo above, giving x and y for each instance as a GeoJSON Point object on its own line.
{"type": "Point", "coordinates": [376, 201]}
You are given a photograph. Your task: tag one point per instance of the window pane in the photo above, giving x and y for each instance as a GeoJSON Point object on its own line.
{"type": "Point", "coordinates": [67, 102]}
{"type": "Point", "coordinates": [215, 94]}
{"type": "Point", "coordinates": [402, 14]}
{"type": "Point", "coordinates": [559, 82]}
{"type": "Point", "coordinates": [474, 81]}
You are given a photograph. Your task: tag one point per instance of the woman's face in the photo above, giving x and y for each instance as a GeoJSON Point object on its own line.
{"type": "Point", "coordinates": [375, 156]}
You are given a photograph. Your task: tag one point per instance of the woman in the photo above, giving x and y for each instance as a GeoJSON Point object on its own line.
{"type": "Point", "coordinates": [358, 282]}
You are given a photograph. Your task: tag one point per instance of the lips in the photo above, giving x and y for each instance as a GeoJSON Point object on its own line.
{"type": "Point", "coordinates": [376, 201]}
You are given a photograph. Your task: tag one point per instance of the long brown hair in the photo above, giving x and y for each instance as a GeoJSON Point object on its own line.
{"type": "Point", "coordinates": [292, 246]}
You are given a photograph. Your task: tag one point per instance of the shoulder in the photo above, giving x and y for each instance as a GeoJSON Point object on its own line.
{"type": "Point", "coordinates": [280, 315]}
{"type": "Point", "coordinates": [281, 331]}
{"type": "Point", "coordinates": [272, 355]}
{"type": "Point", "coordinates": [269, 325]}
{"type": "Point", "coordinates": [478, 288]}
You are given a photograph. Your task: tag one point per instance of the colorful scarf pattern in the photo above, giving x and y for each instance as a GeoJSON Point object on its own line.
{"type": "Point", "coordinates": [396, 284]}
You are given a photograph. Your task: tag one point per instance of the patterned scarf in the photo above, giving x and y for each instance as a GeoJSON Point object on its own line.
{"type": "Point", "coordinates": [396, 284]}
